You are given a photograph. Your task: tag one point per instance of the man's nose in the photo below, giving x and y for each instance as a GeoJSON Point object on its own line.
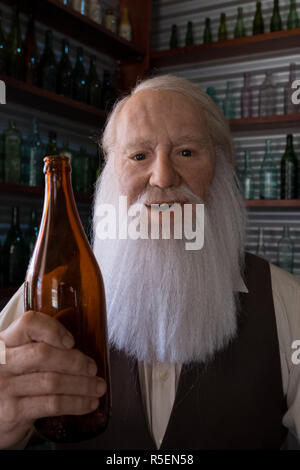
{"type": "Point", "coordinates": [163, 173]}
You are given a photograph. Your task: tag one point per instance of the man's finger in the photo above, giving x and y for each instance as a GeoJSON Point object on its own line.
{"type": "Point", "coordinates": [39, 327]}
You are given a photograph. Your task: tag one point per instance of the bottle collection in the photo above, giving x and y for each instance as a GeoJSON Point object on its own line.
{"type": "Point", "coordinates": [22, 61]}
{"type": "Point", "coordinates": [21, 160]}
{"type": "Point", "coordinates": [94, 9]}
{"type": "Point", "coordinates": [268, 97]}
{"type": "Point", "coordinates": [258, 25]}
{"type": "Point", "coordinates": [284, 250]}
{"type": "Point", "coordinates": [274, 182]}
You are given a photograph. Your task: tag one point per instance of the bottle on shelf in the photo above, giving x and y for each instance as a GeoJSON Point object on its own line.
{"type": "Point", "coordinates": [207, 35]}
{"type": "Point", "coordinates": [66, 151]}
{"type": "Point", "coordinates": [110, 20]}
{"type": "Point", "coordinates": [293, 20]}
{"type": "Point", "coordinates": [228, 103]}
{"type": "Point", "coordinates": [268, 188]}
{"type": "Point", "coordinates": [14, 253]}
{"type": "Point", "coordinates": [211, 91]}
{"type": "Point", "coordinates": [285, 251]}
{"type": "Point", "coordinates": [93, 85]}
{"type": "Point", "coordinates": [246, 97]}
{"type": "Point", "coordinates": [289, 106]}
{"type": "Point", "coordinates": [289, 171]}
{"type": "Point", "coordinates": [95, 11]}
{"type": "Point", "coordinates": [14, 49]}
{"type": "Point", "coordinates": [31, 234]}
{"type": "Point", "coordinates": [64, 72]}
{"type": "Point", "coordinates": [3, 51]}
{"type": "Point", "coordinates": [79, 78]}
{"type": "Point", "coordinates": [64, 281]}
{"type": "Point", "coordinates": [222, 33]}
{"type": "Point", "coordinates": [67, 2]}
{"type": "Point", "coordinates": [31, 56]}
{"type": "Point", "coordinates": [32, 173]}
{"type": "Point", "coordinates": [248, 178]}
{"type": "Point", "coordinates": [108, 91]}
{"type": "Point", "coordinates": [261, 249]}
{"type": "Point", "coordinates": [47, 65]}
{"type": "Point", "coordinates": [81, 6]}
{"type": "Point", "coordinates": [174, 37]}
{"type": "Point", "coordinates": [189, 37]}
{"type": "Point", "coordinates": [239, 30]}
{"type": "Point", "coordinates": [267, 96]}
{"type": "Point", "coordinates": [51, 148]}
{"type": "Point", "coordinates": [80, 171]}
{"type": "Point", "coordinates": [12, 153]}
{"type": "Point", "coordinates": [276, 23]}
{"type": "Point", "coordinates": [258, 22]}
{"type": "Point", "coordinates": [125, 29]}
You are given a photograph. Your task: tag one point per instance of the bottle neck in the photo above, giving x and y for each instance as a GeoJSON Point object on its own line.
{"type": "Point", "coordinates": [286, 232]}
{"type": "Point", "coordinates": [15, 217]}
{"type": "Point", "coordinates": [289, 143]}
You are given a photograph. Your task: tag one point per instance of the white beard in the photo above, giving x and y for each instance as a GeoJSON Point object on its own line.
{"type": "Point", "coordinates": [165, 303]}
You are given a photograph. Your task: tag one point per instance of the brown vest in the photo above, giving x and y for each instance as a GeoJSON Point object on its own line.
{"type": "Point", "coordinates": [234, 402]}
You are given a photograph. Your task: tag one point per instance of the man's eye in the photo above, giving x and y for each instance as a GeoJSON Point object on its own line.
{"type": "Point", "coordinates": [139, 156]}
{"type": "Point", "coordinates": [186, 153]}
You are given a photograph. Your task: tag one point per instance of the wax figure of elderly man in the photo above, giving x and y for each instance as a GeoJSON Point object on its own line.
{"type": "Point", "coordinates": [200, 340]}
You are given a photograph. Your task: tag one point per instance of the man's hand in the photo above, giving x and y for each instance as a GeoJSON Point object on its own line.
{"type": "Point", "coordinates": [43, 376]}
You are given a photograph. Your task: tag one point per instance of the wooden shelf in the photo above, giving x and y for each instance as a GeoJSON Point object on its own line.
{"type": "Point", "coordinates": [70, 22]}
{"type": "Point", "coordinates": [268, 42]}
{"type": "Point", "coordinates": [37, 98]}
{"type": "Point", "coordinates": [266, 122]}
{"type": "Point", "coordinates": [273, 203]}
{"type": "Point", "coordinates": [38, 192]}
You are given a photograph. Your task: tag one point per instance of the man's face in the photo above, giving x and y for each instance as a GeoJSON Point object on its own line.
{"type": "Point", "coordinates": [162, 141]}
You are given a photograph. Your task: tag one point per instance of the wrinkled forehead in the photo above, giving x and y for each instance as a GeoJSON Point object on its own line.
{"type": "Point", "coordinates": [158, 112]}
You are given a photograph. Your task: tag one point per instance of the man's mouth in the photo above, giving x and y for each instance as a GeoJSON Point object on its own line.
{"type": "Point", "coordinates": [162, 206]}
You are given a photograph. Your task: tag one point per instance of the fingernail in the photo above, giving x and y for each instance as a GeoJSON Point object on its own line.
{"type": "Point", "coordinates": [68, 340]}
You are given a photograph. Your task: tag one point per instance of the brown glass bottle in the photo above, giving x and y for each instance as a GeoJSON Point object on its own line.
{"type": "Point", "coordinates": [64, 280]}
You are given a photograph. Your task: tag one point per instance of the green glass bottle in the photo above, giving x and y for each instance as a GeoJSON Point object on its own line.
{"type": "Point", "coordinates": [228, 103]}
{"type": "Point", "coordinates": [248, 178]}
{"type": "Point", "coordinates": [293, 18]}
{"type": "Point", "coordinates": [31, 56]}
{"type": "Point", "coordinates": [14, 253]}
{"type": "Point", "coordinates": [64, 72]}
{"type": "Point", "coordinates": [239, 30]}
{"type": "Point", "coordinates": [31, 234]}
{"type": "Point", "coordinates": [32, 173]}
{"type": "Point", "coordinates": [276, 23]}
{"type": "Point", "coordinates": [47, 65]}
{"type": "Point", "coordinates": [14, 49]}
{"type": "Point", "coordinates": [174, 37]}
{"type": "Point", "coordinates": [268, 175]}
{"type": "Point", "coordinates": [93, 85]}
{"type": "Point", "coordinates": [79, 78]}
{"type": "Point", "coordinates": [189, 37]}
{"type": "Point", "coordinates": [222, 33]}
{"type": "Point", "coordinates": [66, 151]}
{"type": "Point", "coordinates": [289, 171]}
{"type": "Point", "coordinates": [108, 92]}
{"type": "Point", "coordinates": [258, 22]}
{"type": "Point", "coordinates": [51, 148]}
{"type": "Point", "coordinates": [207, 35]}
{"type": "Point", "coordinates": [12, 153]}
{"type": "Point", "coordinates": [80, 171]}
{"type": "Point", "coordinates": [285, 251]}
{"type": "Point", "coordinates": [2, 48]}
{"type": "Point", "coordinates": [211, 91]}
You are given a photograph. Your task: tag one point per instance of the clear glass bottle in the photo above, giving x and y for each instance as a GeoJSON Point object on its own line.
{"type": "Point", "coordinates": [289, 106]}
{"type": "Point", "coordinates": [248, 178]}
{"type": "Point", "coordinates": [285, 251]}
{"type": "Point", "coordinates": [111, 20]}
{"type": "Point", "coordinates": [95, 11]}
{"type": "Point", "coordinates": [228, 104]}
{"type": "Point", "coordinates": [268, 175]}
{"type": "Point", "coordinates": [246, 97]}
{"type": "Point", "coordinates": [125, 30]}
{"type": "Point", "coordinates": [289, 171]}
{"type": "Point", "coordinates": [267, 96]}
{"type": "Point", "coordinates": [12, 153]}
{"type": "Point", "coordinates": [33, 155]}
{"type": "Point", "coordinates": [81, 6]}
